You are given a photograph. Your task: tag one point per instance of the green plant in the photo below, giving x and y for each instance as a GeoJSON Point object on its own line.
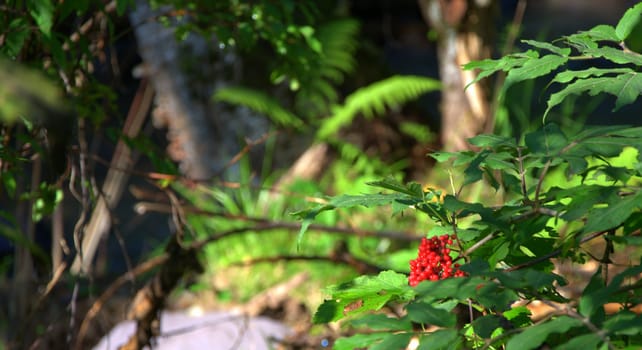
{"type": "Point", "coordinates": [559, 192]}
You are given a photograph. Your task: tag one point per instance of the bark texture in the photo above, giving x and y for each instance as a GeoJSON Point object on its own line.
{"type": "Point", "coordinates": [464, 29]}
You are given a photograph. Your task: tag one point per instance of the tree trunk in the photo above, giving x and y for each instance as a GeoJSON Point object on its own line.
{"type": "Point", "coordinates": [464, 29]}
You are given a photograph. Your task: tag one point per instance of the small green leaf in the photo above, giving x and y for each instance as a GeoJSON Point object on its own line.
{"type": "Point", "coordinates": [533, 336]}
{"type": "Point", "coordinates": [42, 13]}
{"type": "Point", "coordinates": [548, 46]}
{"type": "Point", "coordinates": [628, 22]}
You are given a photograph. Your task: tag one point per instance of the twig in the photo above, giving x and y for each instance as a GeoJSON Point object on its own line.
{"type": "Point", "coordinates": [552, 254]}
{"type": "Point", "coordinates": [144, 207]}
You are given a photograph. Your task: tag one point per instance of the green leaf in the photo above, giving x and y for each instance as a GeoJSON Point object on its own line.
{"type": "Point", "coordinates": [375, 98]}
{"type": "Point", "coordinates": [548, 46]}
{"type": "Point", "coordinates": [485, 326]}
{"type": "Point", "coordinates": [383, 322]}
{"type": "Point", "coordinates": [358, 341]}
{"type": "Point", "coordinates": [393, 341]}
{"type": "Point", "coordinates": [592, 299]}
{"type": "Point", "coordinates": [626, 87]}
{"type": "Point", "coordinates": [42, 13]}
{"type": "Point", "coordinates": [122, 5]}
{"type": "Point", "coordinates": [488, 67]}
{"type": "Point", "coordinates": [584, 341]}
{"type": "Point", "coordinates": [628, 22]}
{"type": "Point", "coordinates": [548, 140]}
{"type": "Point", "coordinates": [391, 183]}
{"type": "Point", "coordinates": [439, 340]}
{"type": "Point", "coordinates": [569, 75]}
{"type": "Point", "coordinates": [328, 311]}
{"type": "Point", "coordinates": [616, 55]}
{"type": "Point", "coordinates": [533, 336]}
{"type": "Point", "coordinates": [624, 323]}
{"type": "Point", "coordinates": [425, 313]}
{"type": "Point", "coordinates": [259, 102]}
{"type": "Point", "coordinates": [618, 210]}
{"type": "Point", "coordinates": [364, 293]}
{"type": "Point", "coordinates": [491, 140]}
{"type": "Point", "coordinates": [532, 69]}
{"type": "Point", "coordinates": [603, 32]}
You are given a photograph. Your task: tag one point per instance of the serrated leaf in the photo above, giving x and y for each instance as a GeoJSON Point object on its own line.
{"type": "Point", "coordinates": [375, 98]}
{"type": "Point", "coordinates": [532, 69]}
{"type": "Point", "coordinates": [626, 87]}
{"type": "Point", "coordinates": [533, 336]}
{"type": "Point", "coordinates": [424, 313]}
{"type": "Point", "coordinates": [548, 46]}
{"type": "Point", "coordinates": [618, 210]}
{"type": "Point", "coordinates": [615, 55]}
{"type": "Point", "coordinates": [488, 67]}
{"type": "Point", "coordinates": [568, 75]}
{"type": "Point", "coordinates": [364, 293]}
{"type": "Point", "coordinates": [602, 32]}
{"type": "Point", "coordinates": [628, 21]}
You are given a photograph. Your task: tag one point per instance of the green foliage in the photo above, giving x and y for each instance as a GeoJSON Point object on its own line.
{"type": "Point", "coordinates": [286, 26]}
{"type": "Point", "coordinates": [27, 94]}
{"type": "Point", "coordinates": [622, 80]}
{"type": "Point", "coordinates": [559, 190]}
{"type": "Point", "coordinates": [375, 98]}
{"type": "Point", "coordinates": [259, 102]}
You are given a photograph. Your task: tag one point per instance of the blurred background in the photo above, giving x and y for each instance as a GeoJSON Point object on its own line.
{"type": "Point", "coordinates": [128, 124]}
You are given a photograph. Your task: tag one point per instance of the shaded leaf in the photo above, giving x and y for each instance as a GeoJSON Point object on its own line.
{"type": "Point", "coordinates": [426, 314]}
{"type": "Point", "coordinates": [618, 210]}
{"type": "Point", "coordinates": [533, 336]}
{"type": "Point", "coordinates": [439, 340]}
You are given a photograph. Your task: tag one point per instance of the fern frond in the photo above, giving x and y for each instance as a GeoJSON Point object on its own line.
{"type": "Point", "coordinates": [375, 98]}
{"type": "Point", "coordinates": [339, 42]}
{"type": "Point", "coordinates": [260, 103]}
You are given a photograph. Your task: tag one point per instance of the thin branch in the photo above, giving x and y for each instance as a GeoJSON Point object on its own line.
{"type": "Point", "coordinates": [552, 254]}
{"type": "Point", "coordinates": [144, 207]}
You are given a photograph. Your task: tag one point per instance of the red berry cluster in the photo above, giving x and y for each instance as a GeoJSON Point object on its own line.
{"type": "Point", "coordinates": [434, 261]}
